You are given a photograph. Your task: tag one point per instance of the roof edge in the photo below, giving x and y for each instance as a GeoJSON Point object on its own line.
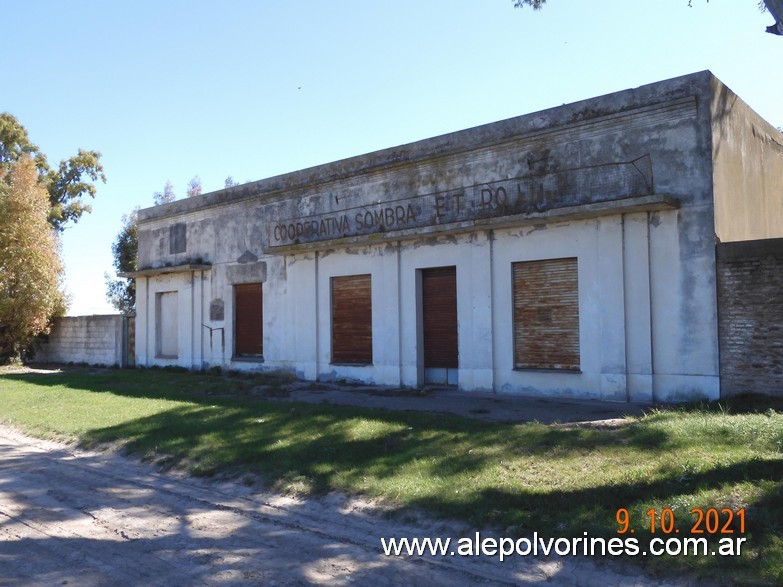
{"type": "Point", "coordinates": [447, 144]}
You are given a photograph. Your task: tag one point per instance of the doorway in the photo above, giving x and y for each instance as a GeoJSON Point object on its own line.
{"type": "Point", "coordinates": [439, 325]}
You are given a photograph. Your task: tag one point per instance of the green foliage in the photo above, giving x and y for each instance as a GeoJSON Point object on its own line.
{"type": "Point", "coordinates": [66, 186]}
{"type": "Point", "coordinates": [30, 265]}
{"type": "Point", "coordinates": [121, 292]}
{"type": "Point", "coordinates": [36, 202]}
{"type": "Point", "coordinates": [14, 144]}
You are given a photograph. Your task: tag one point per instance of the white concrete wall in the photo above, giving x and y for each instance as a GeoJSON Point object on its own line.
{"type": "Point", "coordinates": [647, 307]}
{"type": "Point", "coordinates": [96, 340]}
{"type": "Point", "coordinates": [634, 290]}
{"type": "Point", "coordinates": [634, 346]}
{"type": "Point", "coordinates": [190, 317]}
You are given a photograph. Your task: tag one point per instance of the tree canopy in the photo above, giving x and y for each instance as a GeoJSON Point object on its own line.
{"type": "Point", "coordinates": [535, 4]}
{"type": "Point", "coordinates": [36, 203]}
{"type": "Point", "coordinates": [121, 292]}
{"type": "Point", "coordinates": [166, 196]}
{"type": "Point", "coordinates": [775, 7]}
{"type": "Point", "coordinates": [194, 187]}
{"type": "Point", "coordinates": [30, 265]}
{"type": "Point", "coordinates": [66, 186]}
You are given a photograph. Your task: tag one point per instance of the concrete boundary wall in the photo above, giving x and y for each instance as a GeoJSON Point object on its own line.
{"type": "Point", "coordinates": [750, 309]}
{"type": "Point", "coordinates": [95, 340]}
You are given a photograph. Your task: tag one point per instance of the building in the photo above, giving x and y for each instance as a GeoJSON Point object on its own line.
{"type": "Point", "coordinates": [569, 252]}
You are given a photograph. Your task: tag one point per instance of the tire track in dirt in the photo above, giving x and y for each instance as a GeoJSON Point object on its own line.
{"type": "Point", "coordinates": [87, 518]}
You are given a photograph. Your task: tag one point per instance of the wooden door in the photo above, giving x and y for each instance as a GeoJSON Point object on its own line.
{"type": "Point", "coordinates": [439, 311]}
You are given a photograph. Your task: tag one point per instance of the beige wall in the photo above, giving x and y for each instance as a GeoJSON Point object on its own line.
{"type": "Point", "coordinates": [748, 171]}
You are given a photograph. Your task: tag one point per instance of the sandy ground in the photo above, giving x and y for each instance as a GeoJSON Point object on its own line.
{"type": "Point", "coordinates": [71, 517]}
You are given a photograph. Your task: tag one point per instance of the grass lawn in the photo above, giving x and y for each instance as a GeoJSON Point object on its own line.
{"type": "Point", "coordinates": [516, 478]}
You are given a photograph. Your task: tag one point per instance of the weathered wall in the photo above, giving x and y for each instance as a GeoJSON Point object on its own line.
{"type": "Point", "coordinates": [96, 340]}
{"type": "Point", "coordinates": [748, 171]}
{"type": "Point", "coordinates": [621, 182]}
{"type": "Point", "coordinates": [750, 305]}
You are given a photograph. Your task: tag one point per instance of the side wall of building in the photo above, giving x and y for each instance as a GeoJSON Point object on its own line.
{"type": "Point", "coordinates": [96, 340]}
{"type": "Point", "coordinates": [748, 170]}
{"type": "Point", "coordinates": [750, 303]}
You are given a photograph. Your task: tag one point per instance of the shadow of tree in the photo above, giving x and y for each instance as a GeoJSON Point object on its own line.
{"type": "Point", "coordinates": [314, 448]}
{"type": "Point", "coordinates": [98, 520]}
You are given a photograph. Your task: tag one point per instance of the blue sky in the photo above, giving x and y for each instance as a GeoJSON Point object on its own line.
{"type": "Point", "coordinates": [168, 90]}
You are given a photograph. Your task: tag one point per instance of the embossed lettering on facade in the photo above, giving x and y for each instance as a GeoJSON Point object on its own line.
{"type": "Point", "coordinates": [507, 197]}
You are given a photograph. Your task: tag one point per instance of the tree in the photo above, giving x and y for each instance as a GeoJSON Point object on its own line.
{"type": "Point", "coordinates": [166, 196]}
{"type": "Point", "coordinates": [121, 292]}
{"type": "Point", "coordinates": [194, 187]}
{"type": "Point", "coordinates": [66, 186]}
{"type": "Point", "coordinates": [14, 144]}
{"type": "Point", "coordinates": [536, 4]}
{"type": "Point", "coordinates": [775, 7]}
{"type": "Point", "coordinates": [229, 183]}
{"type": "Point", "coordinates": [30, 265]}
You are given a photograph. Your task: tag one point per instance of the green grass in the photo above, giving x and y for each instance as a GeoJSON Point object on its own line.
{"type": "Point", "coordinates": [516, 478]}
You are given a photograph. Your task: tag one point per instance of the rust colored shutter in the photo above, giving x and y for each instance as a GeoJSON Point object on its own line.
{"type": "Point", "coordinates": [546, 314]}
{"type": "Point", "coordinates": [352, 319]}
{"type": "Point", "coordinates": [249, 320]}
{"type": "Point", "coordinates": [439, 308]}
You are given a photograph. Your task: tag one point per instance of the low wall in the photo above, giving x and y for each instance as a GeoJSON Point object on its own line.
{"type": "Point", "coordinates": [750, 310]}
{"type": "Point", "coordinates": [95, 340]}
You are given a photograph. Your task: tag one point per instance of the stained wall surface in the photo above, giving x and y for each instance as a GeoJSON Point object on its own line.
{"type": "Point", "coordinates": [95, 340]}
{"type": "Point", "coordinates": [622, 183]}
{"type": "Point", "coordinates": [748, 171]}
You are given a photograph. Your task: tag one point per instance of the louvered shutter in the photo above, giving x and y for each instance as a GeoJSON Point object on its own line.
{"type": "Point", "coordinates": [439, 309]}
{"type": "Point", "coordinates": [546, 314]}
{"type": "Point", "coordinates": [249, 320]}
{"type": "Point", "coordinates": [352, 319]}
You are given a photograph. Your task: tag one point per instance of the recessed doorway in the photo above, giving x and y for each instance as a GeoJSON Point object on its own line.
{"type": "Point", "coordinates": [439, 325]}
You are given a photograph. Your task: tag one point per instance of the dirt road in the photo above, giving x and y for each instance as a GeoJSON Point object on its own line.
{"type": "Point", "coordinates": [69, 517]}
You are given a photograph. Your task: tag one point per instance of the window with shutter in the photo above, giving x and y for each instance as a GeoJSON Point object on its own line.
{"type": "Point", "coordinates": [248, 320]}
{"type": "Point", "coordinates": [352, 319]}
{"type": "Point", "coordinates": [546, 314]}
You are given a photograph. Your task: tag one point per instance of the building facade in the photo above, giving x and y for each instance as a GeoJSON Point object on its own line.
{"type": "Point", "coordinates": [565, 253]}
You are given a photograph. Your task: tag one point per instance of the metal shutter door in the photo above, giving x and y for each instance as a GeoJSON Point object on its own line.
{"type": "Point", "coordinates": [439, 309]}
{"type": "Point", "coordinates": [249, 320]}
{"type": "Point", "coordinates": [546, 314]}
{"type": "Point", "coordinates": [352, 319]}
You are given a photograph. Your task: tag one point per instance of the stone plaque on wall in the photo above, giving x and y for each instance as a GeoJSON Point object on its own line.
{"type": "Point", "coordinates": [217, 310]}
